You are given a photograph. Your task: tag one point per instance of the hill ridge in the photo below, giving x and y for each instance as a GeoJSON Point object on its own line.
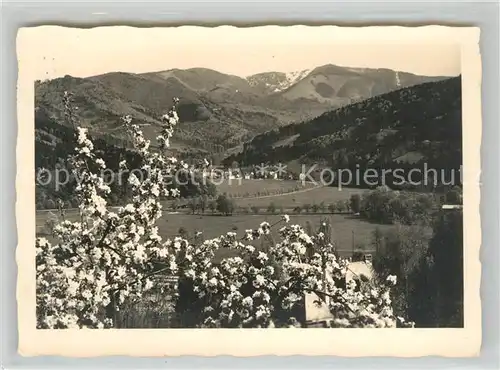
{"type": "Point", "coordinates": [216, 109]}
{"type": "Point", "coordinates": [406, 126]}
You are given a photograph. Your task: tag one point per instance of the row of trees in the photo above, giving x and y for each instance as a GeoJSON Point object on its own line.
{"type": "Point", "coordinates": [386, 206]}
{"type": "Point", "coordinates": [227, 206]}
{"type": "Point", "coordinates": [222, 204]}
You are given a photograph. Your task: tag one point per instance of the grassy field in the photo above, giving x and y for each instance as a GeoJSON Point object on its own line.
{"type": "Point", "coordinates": [260, 193]}
{"type": "Point", "coordinates": [346, 229]}
{"type": "Point", "coordinates": [327, 194]}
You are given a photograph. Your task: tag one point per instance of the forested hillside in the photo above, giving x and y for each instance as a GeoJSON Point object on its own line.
{"type": "Point", "coordinates": [218, 112]}
{"type": "Point", "coordinates": [404, 128]}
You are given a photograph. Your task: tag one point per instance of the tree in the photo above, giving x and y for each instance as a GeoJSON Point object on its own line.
{"type": "Point", "coordinates": [377, 239]}
{"type": "Point", "coordinates": [203, 202]}
{"type": "Point", "coordinates": [212, 205]}
{"type": "Point", "coordinates": [424, 208]}
{"type": "Point", "coordinates": [225, 205]}
{"type": "Point", "coordinates": [401, 211]}
{"type": "Point", "coordinates": [355, 203]}
{"type": "Point", "coordinates": [271, 208]}
{"type": "Point", "coordinates": [445, 270]}
{"type": "Point", "coordinates": [454, 196]}
{"type": "Point", "coordinates": [193, 205]}
{"type": "Point", "coordinates": [399, 252]}
{"type": "Point", "coordinates": [331, 208]}
{"type": "Point", "coordinates": [101, 241]}
{"type": "Point", "coordinates": [191, 184]}
{"type": "Point", "coordinates": [347, 205]}
{"type": "Point", "coordinates": [377, 205]}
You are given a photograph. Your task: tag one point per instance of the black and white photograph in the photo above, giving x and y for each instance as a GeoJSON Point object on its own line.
{"type": "Point", "coordinates": [191, 178]}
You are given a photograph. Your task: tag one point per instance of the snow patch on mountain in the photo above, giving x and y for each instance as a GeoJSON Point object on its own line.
{"type": "Point", "coordinates": [274, 82]}
{"type": "Point", "coordinates": [294, 77]}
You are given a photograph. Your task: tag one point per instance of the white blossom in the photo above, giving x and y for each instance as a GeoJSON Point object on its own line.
{"type": "Point", "coordinates": [392, 279]}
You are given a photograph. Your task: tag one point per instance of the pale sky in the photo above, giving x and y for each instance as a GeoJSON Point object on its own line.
{"type": "Point", "coordinates": [56, 51]}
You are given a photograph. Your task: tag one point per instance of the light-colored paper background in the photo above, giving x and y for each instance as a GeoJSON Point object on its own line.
{"type": "Point", "coordinates": [253, 342]}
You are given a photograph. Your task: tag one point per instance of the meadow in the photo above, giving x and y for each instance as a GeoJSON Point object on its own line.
{"type": "Point", "coordinates": [284, 194]}
{"type": "Point", "coordinates": [346, 228]}
{"type": "Point", "coordinates": [348, 231]}
{"type": "Point", "coordinates": [311, 195]}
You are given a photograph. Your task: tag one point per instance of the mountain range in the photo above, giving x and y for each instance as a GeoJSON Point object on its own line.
{"type": "Point", "coordinates": [405, 128]}
{"type": "Point", "coordinates": [218, 112]}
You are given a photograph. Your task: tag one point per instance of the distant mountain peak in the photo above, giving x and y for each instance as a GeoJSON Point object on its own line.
{"type": "Point", "coordinates": [274, 82]}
